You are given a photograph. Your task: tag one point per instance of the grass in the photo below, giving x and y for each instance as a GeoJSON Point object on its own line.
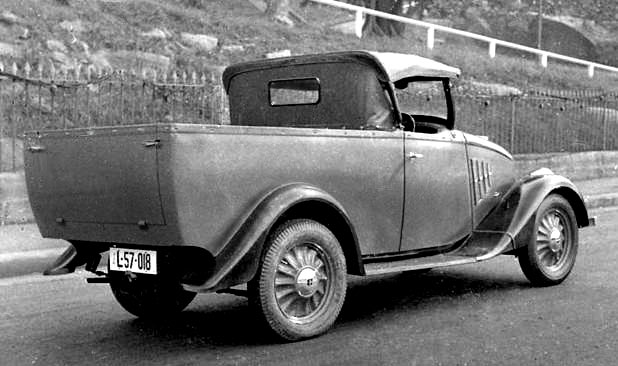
{"type": "Point", "coordinates": [117, 26]}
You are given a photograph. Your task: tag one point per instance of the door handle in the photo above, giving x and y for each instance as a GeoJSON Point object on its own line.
{"type": "Point", "coordinates": [35, 148]}
{"type": "Point", "coordinates": [152, 143]}
{"type": "Point", "coordinates": [413, 156]}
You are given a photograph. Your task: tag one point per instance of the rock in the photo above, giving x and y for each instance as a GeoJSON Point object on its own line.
{"type": "Point", "coordinates": [233, 48]}
{"type": "Point", "coordinates": [259, 5]}
{"type": "Point", "coordinates": [83, 47]}
{"type": "Point", "coordinates": [284, 19]}
{"type": "Point", "coordinates": [99, 60]}
{"type": "Point", "coordinates": [595, 32]}
{"type": "Point", "coordinates": [282, 53]}
{"type": "Point", "coordinates": [9, 18]}
{"type": "Point", "coordinates": [25, 34]}
{"type": "Point", "coordinates": [494, 89]}
{"type": "Point", "coordinates": [440, 21]}
{"type": "Point", "coordinates": [345, 28]}
{"type": "Point", "coordinates": [75, 26]}
{"type": "Point", "coordinates": [55, 45]}
{"type": "Point", "coordinates": [475, 22]}
{"type": "Point", "coordinates": [63, 60]}
{"type": "Point", "coordinates": [125, 59]}
{"type": "Point", "coordinates": [561, 38]}
{"type": "Point", "coordinates": [200, 41]}
{"type": "Point", "coordinates": [11, 50]}
{"type": "Point", "coordinates": [156, 33]}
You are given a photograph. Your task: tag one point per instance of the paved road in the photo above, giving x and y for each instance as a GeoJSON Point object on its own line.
{"type": "Point", "coordinates": [480, 314]}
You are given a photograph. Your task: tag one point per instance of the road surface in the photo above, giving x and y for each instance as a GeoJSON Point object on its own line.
{"type": "Point", "coordinates": [482, 314]}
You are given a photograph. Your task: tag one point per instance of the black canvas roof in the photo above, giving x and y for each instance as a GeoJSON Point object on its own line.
{"type": "Point", "coordinates": [390, 66]}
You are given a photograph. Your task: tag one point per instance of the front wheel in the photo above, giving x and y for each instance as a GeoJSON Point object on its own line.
{"type": "Point", "coordinates": [549, 256]}
{"type": "Point", "coordinates": [146, 296]}
{"type": "Point", "coordinates": [301, 283]}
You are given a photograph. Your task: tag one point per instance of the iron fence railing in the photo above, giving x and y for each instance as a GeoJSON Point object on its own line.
{"type": "Point", "coordinates": [543, 122]}
{"type": "Point", "coordinates": [534, 122]}
{"type": "Point", "coordinates": [49, 99]}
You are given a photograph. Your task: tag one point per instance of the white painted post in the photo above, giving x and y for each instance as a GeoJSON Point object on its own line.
{"type": "Point", "coordinates": [591, 71]}
{"type": "Point", "coordinates": [358, 24]}
{"type": "Point", "coordinates": [492, 49]}
{"type": "Point", "coordinates": [431, 32]}
{"type": "Point", "coordinates": [544, 60]}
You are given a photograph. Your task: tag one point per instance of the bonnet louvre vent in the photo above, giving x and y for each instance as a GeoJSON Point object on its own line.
{"type": "Point", "coordinates": [481, 179]}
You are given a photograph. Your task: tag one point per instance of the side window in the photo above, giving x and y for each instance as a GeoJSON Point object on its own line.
{"type": "Point", "coordinates": [294, 92]}
{"type": "Point", "coordinates": [424, 105]}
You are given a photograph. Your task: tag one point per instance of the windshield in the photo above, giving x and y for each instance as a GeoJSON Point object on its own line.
{"type": "Point", "coordinates": [423, 98]}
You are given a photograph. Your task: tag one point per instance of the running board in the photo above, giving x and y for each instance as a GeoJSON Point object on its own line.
{"type": "Point", "coordinates": [440, 260]}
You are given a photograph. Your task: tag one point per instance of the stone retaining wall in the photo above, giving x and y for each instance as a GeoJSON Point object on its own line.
{"type": "Point", "coordinates": [575, 166]}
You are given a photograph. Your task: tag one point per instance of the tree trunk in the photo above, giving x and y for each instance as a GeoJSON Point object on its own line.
{"type": "Point", "coordinates": [277, 7]}
{"type": "Point", "coordinates": [384, 27]}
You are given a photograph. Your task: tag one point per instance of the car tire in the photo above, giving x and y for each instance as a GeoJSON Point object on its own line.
{"type": "Point", "coordinates": [149, 297]}
{"type": "Point", "coordinates": [300, 286]}
{"type": "Point", "coordinates": [550, 253]}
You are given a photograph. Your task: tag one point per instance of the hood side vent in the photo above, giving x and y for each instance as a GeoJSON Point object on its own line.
{"type": "Point", "coordinates": [481, 175]}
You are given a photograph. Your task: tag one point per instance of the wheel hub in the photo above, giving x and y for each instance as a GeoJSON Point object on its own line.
{"type": "Point", "coordinates": [307, 281]}
{"type": "Point", "coordinates": [555, 240]}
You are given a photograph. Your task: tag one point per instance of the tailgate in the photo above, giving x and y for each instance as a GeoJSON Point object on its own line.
{"type": "Point", "coordinates": [100, 175]}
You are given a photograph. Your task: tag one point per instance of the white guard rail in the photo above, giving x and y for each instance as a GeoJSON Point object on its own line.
{"type": "Point", "coordinates": [492, 42]}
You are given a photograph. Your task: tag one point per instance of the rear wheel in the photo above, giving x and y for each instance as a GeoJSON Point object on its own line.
{"type": "Point", "coordinates": [550, 254]}
{"type": "Point", "coordinates": [301, 283]}
{"type": "Point", "coordinates": [147, 296]}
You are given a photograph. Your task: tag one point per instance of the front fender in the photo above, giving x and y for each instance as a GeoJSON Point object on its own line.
{"type": "Point", "coordinates": [237, 263]}
{"type": "Point", "coordinates": [509, 224]}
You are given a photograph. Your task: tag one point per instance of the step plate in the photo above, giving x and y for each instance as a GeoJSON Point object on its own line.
{"type": "Point", "coordinates": [412, 264]}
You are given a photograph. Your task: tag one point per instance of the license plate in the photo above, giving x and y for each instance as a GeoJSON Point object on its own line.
{"type": "Point", "coordinates": [134, 260]}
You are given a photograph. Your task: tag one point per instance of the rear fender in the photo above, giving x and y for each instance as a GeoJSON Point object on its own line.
{"type": "Point", "coordinates": [510, 223]}
{"type": "Point", "coordinates": [238, 261]}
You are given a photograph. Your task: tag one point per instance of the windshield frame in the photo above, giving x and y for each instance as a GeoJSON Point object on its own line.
{"type": "Point", "coordinates": [449, 121]}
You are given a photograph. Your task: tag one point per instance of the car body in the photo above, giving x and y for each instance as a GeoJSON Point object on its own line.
{"type": "Point", "coordinates": [345, 162]}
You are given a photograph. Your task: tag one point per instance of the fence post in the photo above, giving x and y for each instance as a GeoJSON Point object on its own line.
{"type": "Point", "coordinates": [512, 137]}
{"type": "Point", "coordinates": [13, 122]}
{"type": "Point", "coordinates": [492, 49]}
{"type": "Point", "coordinates": [544, 60]}
{"type": "Point", "coordinates": [1, 142]}
{"type": "Point", "coordinates": [2, 120]}
{"type": "Point", "coordinates": [358, 24]}
{"type": "Point", "coordinates": [214, 104]}
{"type": "Point", "coordinates": [605, 112]}
{"type": "Point", "coordinates": [431, 32]}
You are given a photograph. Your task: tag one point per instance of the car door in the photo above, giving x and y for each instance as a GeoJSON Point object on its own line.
{"type": "Point", "coordinates": [437, 206]}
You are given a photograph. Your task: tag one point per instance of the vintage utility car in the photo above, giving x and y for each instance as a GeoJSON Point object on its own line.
{"type": "Point", "coordinates": [332, 164]}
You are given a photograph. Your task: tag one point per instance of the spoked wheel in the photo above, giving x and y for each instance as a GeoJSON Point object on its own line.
{"type": "Point", "coordinates": [550, 255]}
{"type": "Point", "coordinates": [301, 283]}
{"type": "Point", "coordinates": [148, 297]}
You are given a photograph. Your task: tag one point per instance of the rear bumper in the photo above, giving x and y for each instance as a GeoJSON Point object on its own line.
{"type": "Point", "coordinates": [185, 264]}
